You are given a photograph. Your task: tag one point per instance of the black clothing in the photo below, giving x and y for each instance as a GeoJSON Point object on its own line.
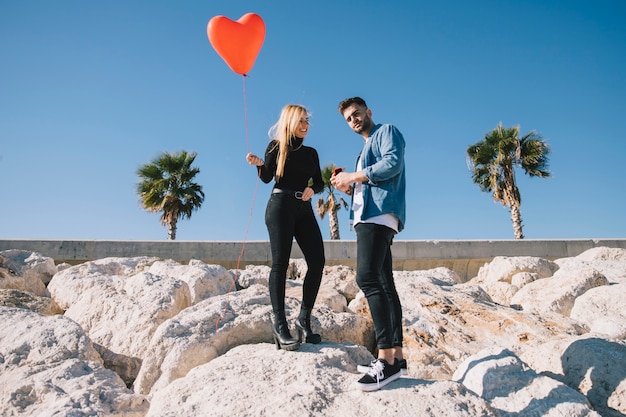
{"type": "Point", "coordinates": [374, 275]}
{"type": "Point", "coordinates": [302, 164]}
{"type": "Point", "coordinates": [287, 216]}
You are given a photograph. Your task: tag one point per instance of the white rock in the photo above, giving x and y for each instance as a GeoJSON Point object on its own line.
{"type": "Point", "coordinates": [252, 275]}
{"type": "Point", "coordinates": [327, 295]}
{"type": "Point", "coordinates": [500, 292]}
{"type": "Point", "coordinates": [27, 300]}
{"type": "Point", "coordinates": [122, 316]}
{"type": "Point", "coordinates": [512, 388]}
{"type": "Point", "coordinates": [342, 279]}
{"type": "Point", "coordinates": [609, 261]}
{"type": "Point", "coordinates": [446, 324]}
{"type": "Point", "coordinates": [204, 281]}
{"type": "Point", "coordinates": [601, 254]}
{"type": "Point", "coordinates": [119, 304]}
{"type": "Point", "coordinates": [201, 333]}
{"type": "Point", "coordinates": [50, 368]}
{"type": "Point", "coordinates": [297, 269]}
{"type": "Point", "coordinates": [592, 365]}
{"type": "Point", "coordinates": [522, 278]}
{"type": "Point", "coordinates": [503, 268]}
{"type": "Point", "coordinates": [26, 271]}
{"type": "Point", "coordinates": [559, 292]}
{"type": "Point", "coordinates": [603, 310]}
{"type": "Point", "coordinates": [207, 330]}
{"type": "Point", "coordinates": [317, 380]}
{"type": "Point", "coordinates": [504, 275]}
{"type": "Point", "coordinates": [200, 346]}
{"type": "Point", "coordinates": [69, 284]}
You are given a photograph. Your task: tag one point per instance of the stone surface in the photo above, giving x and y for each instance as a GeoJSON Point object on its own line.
{"type": "Point", "coordinates": [49, 367]}
{"type": "Point", "coordinates": [24, 270]}
{"type": "Point", "coordinates": [30, 301]}
{"type": "Point", "coordinates": [603, 310]}
{"type": "Point", "coordinates": [317, 380]}
{"type": "Point", "coordinates": [559, 292]}
{"type": "Point", "coordinates": [588, 363]}
{"type": "Point", "coordinates": [145, 336]}
{"type": "Point", "coordinates": [500, 377]}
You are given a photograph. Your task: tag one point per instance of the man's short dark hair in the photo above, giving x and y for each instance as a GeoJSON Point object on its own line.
{"type": "Point", "coordinates": [350, 101]}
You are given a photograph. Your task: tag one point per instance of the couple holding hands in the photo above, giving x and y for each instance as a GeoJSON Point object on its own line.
{"type": "Point", "coordinates": [377, 213]}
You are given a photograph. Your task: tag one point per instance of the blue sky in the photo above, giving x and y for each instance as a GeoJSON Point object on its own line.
{"type": "Point", "coordinates": [89, 91]}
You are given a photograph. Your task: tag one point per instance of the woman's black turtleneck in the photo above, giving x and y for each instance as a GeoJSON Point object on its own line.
{"type": "Point", "coordinates": [302, 164]}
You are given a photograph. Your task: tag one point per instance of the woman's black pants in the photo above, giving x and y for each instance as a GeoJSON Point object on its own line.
{"type": "Point", "coordinates": [287, 217]}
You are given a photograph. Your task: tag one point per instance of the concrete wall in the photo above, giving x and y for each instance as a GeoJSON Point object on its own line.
{"type": "Point", "coordinates": [463, 256]}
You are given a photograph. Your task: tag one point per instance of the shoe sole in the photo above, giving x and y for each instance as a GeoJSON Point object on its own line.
{"type": "Point", "coordinates": [376, 386]}
{"type": "Point", "coordinates": [293, 347]}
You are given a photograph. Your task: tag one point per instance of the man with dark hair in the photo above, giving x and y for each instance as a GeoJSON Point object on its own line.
{"type": "Point", "coordinates": [377, 212]}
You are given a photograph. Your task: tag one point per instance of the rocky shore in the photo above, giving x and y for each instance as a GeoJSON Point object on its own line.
{"type": "Point", "coordinates": [143, 336]}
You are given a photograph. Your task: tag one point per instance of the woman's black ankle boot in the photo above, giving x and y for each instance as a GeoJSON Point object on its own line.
{"type": "Point", "coordinates": [280, 329]}
{"type": "Point", "coordinates": [303, 327]}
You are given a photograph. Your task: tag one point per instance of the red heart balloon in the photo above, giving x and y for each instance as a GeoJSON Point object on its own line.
{"type": "Point", "coordinates": [237, 42]}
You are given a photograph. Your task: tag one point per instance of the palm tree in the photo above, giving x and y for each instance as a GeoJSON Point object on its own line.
{"type": "Point", "coordinates": [166, 186]}
{"type": "Point", "coordinates": [330, 206]}
{"type": "Point", "coordinates": [492, 161]}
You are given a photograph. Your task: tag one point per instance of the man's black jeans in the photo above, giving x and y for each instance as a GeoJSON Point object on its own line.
{"type": "Point", "coordinates": [374, 275]}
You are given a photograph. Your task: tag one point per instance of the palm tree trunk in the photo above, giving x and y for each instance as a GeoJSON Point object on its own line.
{"type": "Point", "coordinates": [334, 224]}
{"type": "Point", "coordinates": [516, 218]}
{"type": "Point", "coordinates": [512, 199]}
{"type": "Point", "coordinates": [171, 233]}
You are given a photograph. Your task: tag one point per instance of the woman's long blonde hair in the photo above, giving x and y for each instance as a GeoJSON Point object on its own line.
{"type": "Point", "coordinates": [284, 131]}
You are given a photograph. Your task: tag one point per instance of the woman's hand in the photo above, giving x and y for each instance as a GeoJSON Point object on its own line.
{"type": "Point", "coordinates": [254, 160]}
{"type": "Point", "coordinates": [307, 194]}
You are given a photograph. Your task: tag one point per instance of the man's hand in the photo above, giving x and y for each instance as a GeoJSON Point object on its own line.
{"type": "Point", "coordinates": [342, 181]}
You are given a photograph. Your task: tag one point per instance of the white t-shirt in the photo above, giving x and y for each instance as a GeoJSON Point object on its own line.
{"type": "Point", "coordinates": [388, 220]}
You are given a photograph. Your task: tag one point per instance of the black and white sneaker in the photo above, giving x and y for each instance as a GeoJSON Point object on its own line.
{"type": "Point", "coordinates": [366, 368]}
{"type": "Point", "coordinates": [380, 374]}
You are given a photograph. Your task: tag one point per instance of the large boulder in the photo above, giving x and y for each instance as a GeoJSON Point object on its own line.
{"type": "Point", "coordinates": [26, 271]}
{"type": "Point", "coordinates": [205, 331]}
{"type": "Point", "coordinates": [119, 312]}
{"type": "Point", "coordinates": [513, 388]}
{"type": "Point", "coordinates": [317, 380]}
{"type": "Point", "coordinates": [120, 302]}
{"type": "Point", "coordinates": [609, 261]}
{"type": "Point", "coordinates": [591, 364]}
{"type": "Point", "coordinates": [603, 310]}
{"type": "Point", "coordinates": [559, 292]}
{"type": "Point", "coordinates": [204, 281]}
{"type": "Point", "coordinates": [50, 368]}
{"type": "Point", "coordinates": [444, 323]}
{"type": "Point", "coordinates": [27, 300]}
{"type": "Point", "coordinates": [505, 275]}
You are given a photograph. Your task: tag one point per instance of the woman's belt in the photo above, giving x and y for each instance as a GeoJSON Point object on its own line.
{"type": "Point", "coordinates": [296, 194]}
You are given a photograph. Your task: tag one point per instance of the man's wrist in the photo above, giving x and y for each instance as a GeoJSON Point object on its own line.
{"type": "Point", "coordinates": [358, 177]}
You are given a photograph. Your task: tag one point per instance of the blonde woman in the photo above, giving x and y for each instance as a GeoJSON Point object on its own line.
{"type": "Point", "coordinates": [295, 168]}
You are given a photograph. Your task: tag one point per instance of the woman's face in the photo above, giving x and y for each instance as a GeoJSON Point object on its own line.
{"type": "Point", "coordinates": [302, 127]}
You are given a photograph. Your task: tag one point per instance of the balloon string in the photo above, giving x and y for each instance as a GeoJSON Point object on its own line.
{"type": "Point", "coordinates": [256, 187]}
{"type": "Point", "coordinates": [245, 109]}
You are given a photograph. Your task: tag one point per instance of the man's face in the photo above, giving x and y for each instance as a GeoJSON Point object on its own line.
{"type": "Point", "coordinates": [359, 118]}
